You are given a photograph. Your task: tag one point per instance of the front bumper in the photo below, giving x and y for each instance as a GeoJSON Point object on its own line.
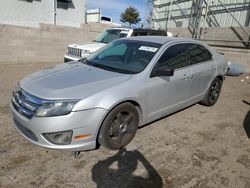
{"type": "Point", "coordinates": [81, 122]}
{"type": "Point", "coordinates": [69, 58]}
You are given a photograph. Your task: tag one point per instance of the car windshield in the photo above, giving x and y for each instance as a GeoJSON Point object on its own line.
{"type": "Point", "coordinates": [124, 56]}
{"type": "Point", "coordinates": [110, 35]}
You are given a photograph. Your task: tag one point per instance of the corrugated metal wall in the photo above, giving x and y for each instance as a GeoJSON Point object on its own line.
{"type": "Point", "coordinates": [176, 13]}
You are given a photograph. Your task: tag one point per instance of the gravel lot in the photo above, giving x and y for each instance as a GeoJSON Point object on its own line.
{"type": "Point", "coordinates": [197, 147]}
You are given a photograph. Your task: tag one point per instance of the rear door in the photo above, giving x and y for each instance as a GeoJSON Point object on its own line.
{"type": "Point", "coordinates": [203, 69]}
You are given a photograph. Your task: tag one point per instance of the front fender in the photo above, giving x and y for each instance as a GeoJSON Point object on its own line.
{"type": "Point", "coordinates": [111, 97]}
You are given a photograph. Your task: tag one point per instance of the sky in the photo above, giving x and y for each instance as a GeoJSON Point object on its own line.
{"type": "Point", "coordinates": [114, 8]}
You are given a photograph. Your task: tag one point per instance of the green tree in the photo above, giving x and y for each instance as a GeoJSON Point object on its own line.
{"type": "Point", "coordinates": [130, 15]}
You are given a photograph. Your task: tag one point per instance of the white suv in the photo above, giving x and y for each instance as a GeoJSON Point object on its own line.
{"type": "Point", "coordinates": [78, 51]}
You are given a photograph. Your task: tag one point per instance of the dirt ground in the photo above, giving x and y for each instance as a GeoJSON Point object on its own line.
{"type": "Point", "coordinates": [197, 147]}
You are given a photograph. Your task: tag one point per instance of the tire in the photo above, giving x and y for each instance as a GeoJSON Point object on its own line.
{"type": "Point", "coordinates": [213, 93]}
{"type": "Point", "coordinates": [119, 127]}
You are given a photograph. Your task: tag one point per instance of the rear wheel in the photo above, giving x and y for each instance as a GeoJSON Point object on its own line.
{"type": "Point", "coordinates": [213, 93]}
{"type": "Point", "coordinates": [119, 127]}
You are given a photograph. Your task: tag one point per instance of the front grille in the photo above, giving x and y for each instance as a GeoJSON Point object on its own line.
{"type": "Point", "coordinates": [26, 131]}
{"type": "Point", "coordinates": [74, 52]}
{"type": "Point", "coordinates": [25, 104]}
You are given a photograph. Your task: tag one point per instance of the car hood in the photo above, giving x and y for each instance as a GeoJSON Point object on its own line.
{"type": "Point", "coordinates": [70, 81]}
{"type": "Point", "coordinates": [90, 46]}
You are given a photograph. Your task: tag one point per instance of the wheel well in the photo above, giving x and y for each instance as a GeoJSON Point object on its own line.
{"type": "Point", "coordinates": [220, 77]}
{"type": "Point", "coordinates": [133, 102]}
{"type": "Point", "coordinates": [138, 108]}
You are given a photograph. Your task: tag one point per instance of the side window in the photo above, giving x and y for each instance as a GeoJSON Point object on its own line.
{"type": "Point", "coordinates": [175, 56]}
{"type": "Point", "coordinates": [140, 33]}
{"type": "Point", "coordinates": [158, 33]}
{"type": "Point", "coordinates": [198, 54]}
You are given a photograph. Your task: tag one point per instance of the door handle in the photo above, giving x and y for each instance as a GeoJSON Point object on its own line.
{"type": "Point", "coordinates": [185, 77]}
{"type": "Point", "coordinates": [213, 68]}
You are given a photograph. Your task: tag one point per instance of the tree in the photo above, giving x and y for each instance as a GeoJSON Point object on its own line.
{"type": "Point", "coordinates": [130, 15]}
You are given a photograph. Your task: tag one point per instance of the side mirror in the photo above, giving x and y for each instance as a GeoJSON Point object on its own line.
{"type": "Point", "coordinates": [162, 71]}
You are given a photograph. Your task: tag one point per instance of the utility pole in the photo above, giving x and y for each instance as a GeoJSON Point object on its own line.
{"type": "Point", "coordinates": [148, 13]}
{"type": "Point", "coordinates": [54, 13]}
{"type": "Point", "coordinates": [169, 13]}
{"type": "Point", "coordinates": [195, 19]}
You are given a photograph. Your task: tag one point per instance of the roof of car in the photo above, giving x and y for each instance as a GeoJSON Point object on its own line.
{"type": "Point", "coordinates": [137, 29]}
{"type": "Point", "coordinates": [148, 29]}
{"type": "Point", "coordinates": [159, 39]}
{"type": "Point", "coordinates": [119, 28]}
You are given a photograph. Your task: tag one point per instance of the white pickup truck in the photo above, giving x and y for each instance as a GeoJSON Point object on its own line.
{"type": "Point", "coordinates": [81, 50]}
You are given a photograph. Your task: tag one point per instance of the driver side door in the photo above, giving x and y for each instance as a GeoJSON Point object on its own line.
{"type": "Point", "coordinates": [167, 94]}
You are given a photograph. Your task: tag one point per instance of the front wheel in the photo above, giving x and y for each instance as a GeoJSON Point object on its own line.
{"type": "Point", "coordinates": [213, 93]}
{"type": "Point", "coordinates": [119, 127]}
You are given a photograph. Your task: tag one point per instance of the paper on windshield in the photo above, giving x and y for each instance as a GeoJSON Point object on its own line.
{"type": "Point", "coordinates": [148, 48]}
{"type": "Point", "coordinates": [124, 32]}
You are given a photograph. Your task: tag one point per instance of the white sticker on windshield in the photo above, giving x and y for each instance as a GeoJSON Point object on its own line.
{"type": "Point", "coordinates": [148, 48]}
{"type": "Point", "coordinates": [124, 32]}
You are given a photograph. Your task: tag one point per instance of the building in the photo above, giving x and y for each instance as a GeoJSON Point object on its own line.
{"type": "Point", "coordinates": [205, 13]}
{"type": "Point", "coordinates": [33, 12]}
{"type": "Point", "coordinates": [95, 16]}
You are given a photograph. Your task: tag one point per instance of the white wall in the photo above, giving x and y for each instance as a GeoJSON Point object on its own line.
{"type": "Point", "coordinates": [94, 15]}
{"type": "Point", "coordinates": [48, 43]}
{"type": "Point", "coordinates": [71, 14]}
{"type": "Point", "coordinates": [25, 13]}
{"type": "Point", "coordinates": [32, 13]}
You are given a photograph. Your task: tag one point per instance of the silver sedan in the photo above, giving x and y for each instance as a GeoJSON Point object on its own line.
{"type": "Point", "coordinates": [104, 98]}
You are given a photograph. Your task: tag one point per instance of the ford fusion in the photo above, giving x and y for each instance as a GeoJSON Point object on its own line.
{"type": "Point", "coordinates": [103, 99]}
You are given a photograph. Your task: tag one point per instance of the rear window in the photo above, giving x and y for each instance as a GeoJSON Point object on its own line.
{"type": "Point", "coordinates": [149, 32]}
{"type": "Point", "coordinates": [103, 18]}
{"type": "Point", "coordinates": [158, 33]}
{"type": "Point", "coordinates": [140, 33]}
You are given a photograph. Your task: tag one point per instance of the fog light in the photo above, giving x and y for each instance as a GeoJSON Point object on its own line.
{"type": "Point", "coordinates": [59, 138]}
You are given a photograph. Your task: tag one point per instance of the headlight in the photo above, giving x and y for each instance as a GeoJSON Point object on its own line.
{"type": "Point", "coordinates": [85, 53]}
{"type": "Point", "coordinates": [17, 88]}
{"type": "Point", "coordinates": [55, 109]}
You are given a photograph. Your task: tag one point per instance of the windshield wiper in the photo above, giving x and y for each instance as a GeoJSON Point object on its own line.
{"type": "Point", "coordinates": [84, 61]}
{"type": "Point", "coordinates": [112, 69]}
{"type": "Point", "coordinates": [105, 67]}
